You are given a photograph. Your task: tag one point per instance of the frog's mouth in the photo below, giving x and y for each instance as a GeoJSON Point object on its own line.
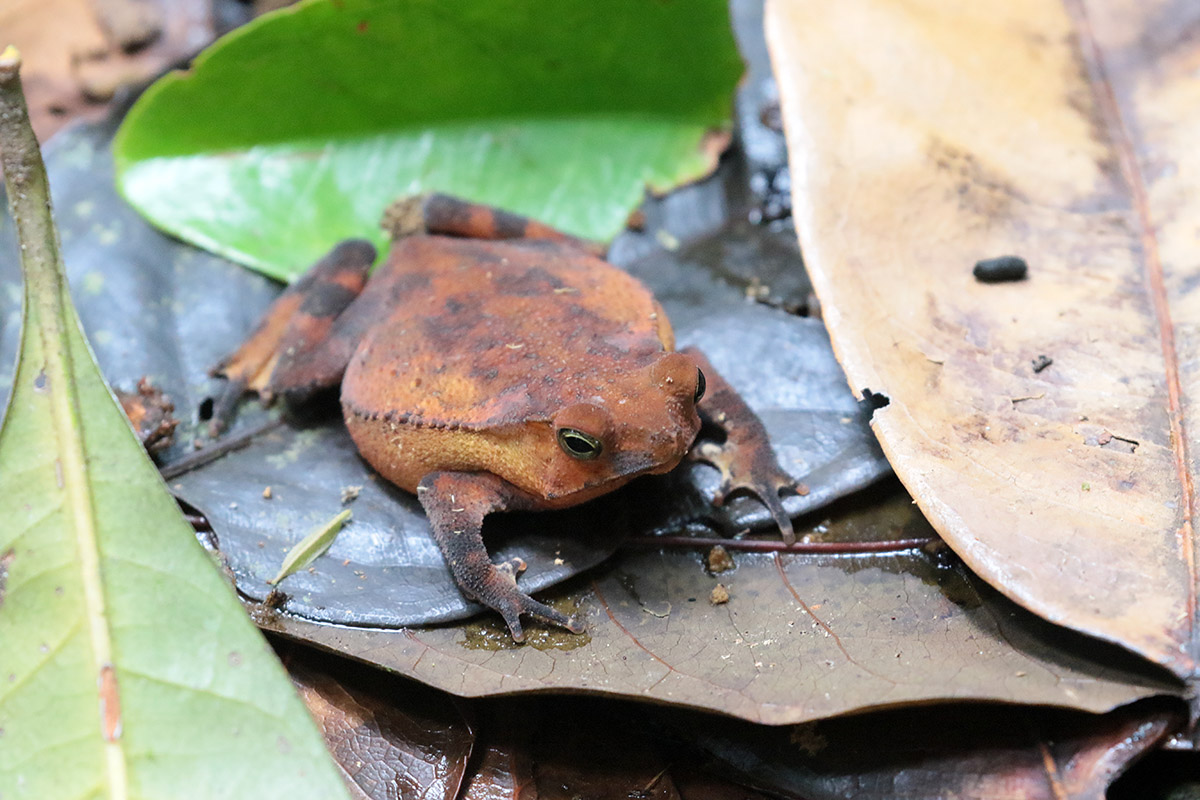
{"type": "Point", "coordinates": [626, 466]}
{"type": "Point", "coordinates": [623, 468]}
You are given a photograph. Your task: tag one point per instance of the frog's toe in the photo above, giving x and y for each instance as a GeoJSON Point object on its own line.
{"type": "Point", "coordinates": [225, 406]}
{"type": "Point", "coordinates": [513, 621]}
{"type": "Point", "coordinates": [519, 603]}
{"type": "Point", "coordinates": [512, 567]}
{"type": "Point", "coordinates": [769, 495]}
{"type": "Point", "coordinates": [752, 472]}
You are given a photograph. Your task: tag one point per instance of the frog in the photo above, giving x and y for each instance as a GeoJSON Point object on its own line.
{"type": "Point", "coordinates": [494, 363]}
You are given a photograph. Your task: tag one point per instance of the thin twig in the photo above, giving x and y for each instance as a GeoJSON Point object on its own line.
{"type": "Point", "coordinates": [765, 546]}
{"type": "Point", "coordinates": [213, 452]}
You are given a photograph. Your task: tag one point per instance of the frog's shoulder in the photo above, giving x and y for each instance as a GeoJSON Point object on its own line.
{"type": "Point", "coordinates": [486, 334]}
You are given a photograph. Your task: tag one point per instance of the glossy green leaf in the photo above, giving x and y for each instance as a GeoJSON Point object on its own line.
{"type": "Point", "coordinates": [299, 129]}
{"type": "Point", "coordinates": [127, 668]}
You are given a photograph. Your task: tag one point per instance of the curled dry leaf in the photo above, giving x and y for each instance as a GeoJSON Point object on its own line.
{"type": "Point", "coordinates": [1063, 132]}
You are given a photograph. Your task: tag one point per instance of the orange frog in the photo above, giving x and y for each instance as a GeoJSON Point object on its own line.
{"type": "Point", "coordinates": [494, 363]}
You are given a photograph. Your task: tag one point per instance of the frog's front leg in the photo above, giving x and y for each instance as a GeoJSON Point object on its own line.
{"type": "Point", "coordinates": [745, 459]}
{"type": "Point", "coordinates": [299, 346]}
{"type": "Point", "coordinates": [456, 503]}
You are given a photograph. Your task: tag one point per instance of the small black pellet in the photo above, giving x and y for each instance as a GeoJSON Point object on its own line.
{"type": "Point", "coordinates": [1041, 362]}
{"type": "Point", "coordinates": [1000, 269]}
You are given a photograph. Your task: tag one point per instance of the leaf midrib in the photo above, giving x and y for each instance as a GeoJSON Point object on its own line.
{"type": "Point", "coordinates": [46, 292]}
{"type": "Point", "coordinates": [1123, 147]}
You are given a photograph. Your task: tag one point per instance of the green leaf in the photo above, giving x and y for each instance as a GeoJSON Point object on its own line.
{"type": "Point", "coordinates": [298, 130]}
{"type": "Point", "coordinates": [128, 668]}
{"type": "Point", "coordinates": [314, 543]}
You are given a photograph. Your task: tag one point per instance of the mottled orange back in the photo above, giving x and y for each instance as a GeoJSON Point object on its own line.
{"type": "Point", "coordinates": [484, 334]}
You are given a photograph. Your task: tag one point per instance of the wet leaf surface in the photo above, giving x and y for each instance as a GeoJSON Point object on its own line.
{"type": "Point", "coordinates": [1063, 133]}
{"type": "Point", "coordinates": [802, 637]}
{"type": "Point", "coordinates": [537, 113]}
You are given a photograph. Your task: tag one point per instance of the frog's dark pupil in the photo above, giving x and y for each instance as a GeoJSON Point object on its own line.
{"type": "Point", "coordinates": [578, 444]}
{"type": "Point", "coordinates": [700, 385]}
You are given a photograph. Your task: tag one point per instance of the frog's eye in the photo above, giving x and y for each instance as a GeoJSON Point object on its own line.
{"type": "Point", "coordinates": [578, 444]}
{"type": "Point", "coordinates": [700, 385]}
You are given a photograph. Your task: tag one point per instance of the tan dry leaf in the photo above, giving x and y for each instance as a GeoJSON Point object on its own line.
{"type": "Point", "coordinates": [72, 65]}
{"type": "Point", "coordinates": [927, 135]}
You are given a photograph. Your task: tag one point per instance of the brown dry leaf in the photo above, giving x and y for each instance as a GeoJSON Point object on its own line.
{"type": "Point", "coordinates": [502, 772]}
{"type": "Point", "coordinates": [928, 135]}
{"type": "Point", "coordinates": [536, 749]}
{"type": "Point", "coordinates": [74, 63]}
{"type": "Point", "coordinates": [391, 739]}
{"type": "Point", "coordinates": [963, 751]}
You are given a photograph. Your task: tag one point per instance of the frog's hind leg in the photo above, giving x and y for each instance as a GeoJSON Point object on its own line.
{"type": "Point", "coordinates": [745, 459]}
{"type": "Point", "coordinates": [452, 216]}
{"type": "Point", "coordinates": [299, 346]}
{"type": "Point", "coordinates": [456, 503]}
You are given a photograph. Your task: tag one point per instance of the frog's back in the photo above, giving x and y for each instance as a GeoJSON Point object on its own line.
{"type": "Point", "coordinates": [484, 334]}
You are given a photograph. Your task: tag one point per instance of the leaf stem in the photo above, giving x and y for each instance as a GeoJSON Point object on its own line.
{"type": "Point", "coordinates": [48, 313]}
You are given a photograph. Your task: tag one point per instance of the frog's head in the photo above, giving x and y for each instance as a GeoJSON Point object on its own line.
{"type": "Point", "coordinates": [646, 425]}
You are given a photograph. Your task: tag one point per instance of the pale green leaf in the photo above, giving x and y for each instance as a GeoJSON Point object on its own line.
{"type": "Point", "coordinates": [128, 669]}
{"type": "Point", "coordinates": [314, 543]}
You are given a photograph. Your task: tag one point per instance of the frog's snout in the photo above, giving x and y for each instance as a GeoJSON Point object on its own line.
{"type": "Point", "coordinates": [669, 445]}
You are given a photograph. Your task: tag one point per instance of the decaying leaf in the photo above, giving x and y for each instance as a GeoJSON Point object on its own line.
{"type": "Point", "coordinates": [967, 751]}
{"type": "Point", "coordinates": [151, 413]}
{"type": "Point", "coordinates": [392, 739]}
{"type": "Point", "coordinates": [528, 747]}
{"type": "Point", "coordinates": [1064, 133]}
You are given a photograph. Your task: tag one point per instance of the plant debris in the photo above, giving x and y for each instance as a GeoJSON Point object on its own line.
{"type": "Point", "coordinates": [719, 595]}
{"type": "Point", "coordinates": [151, 413]}
{"type": "Point", "coordinates": [718, 560]}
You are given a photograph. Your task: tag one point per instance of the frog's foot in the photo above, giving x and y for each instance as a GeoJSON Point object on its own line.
{"type": "Point", "coordinates": [511, 602]}
{"type": "Point", "coordinates": [456, 503]}
{"type": "Point", "coordinates": [745, 459]}
{"type": "Point", "coordinates": [755, 473]}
